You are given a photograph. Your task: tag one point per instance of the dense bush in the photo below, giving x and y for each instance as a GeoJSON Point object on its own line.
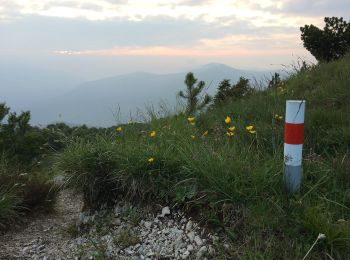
{"type": "Point", "coordinates": [328, 44]}
{"type": "Point", "coordinates": [227, 92]}
{"type": "Point", "coordinates": [23, 192]}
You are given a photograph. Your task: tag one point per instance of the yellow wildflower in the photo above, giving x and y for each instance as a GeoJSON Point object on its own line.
{"type": "Point", "coordinates": [228, 120]}
{"type": "Point", "coordinates": [232, 128]}
{"type": "Point", "coordinates": [151, 160]}
{"type": "Point", "coordinates": [119, 129]}
{"type": "Point", "coordinates": [205, 133]}
{"type": "Point", "coordinates": [193, 137]}
{"type": "Point", "coordinates": [190, 119]}
{"type": "Point", "coordinates": [250, 129]}
{"type": "Point", "coordinates": [278, 117]}
{"type": "Point", "coordinates": [152, 134]}
{"type": "Point", "coordinates": [230, 133]}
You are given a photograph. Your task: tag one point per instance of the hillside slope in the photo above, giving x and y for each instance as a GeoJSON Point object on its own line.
{"type": "Point", "coordinates": [234, 183]}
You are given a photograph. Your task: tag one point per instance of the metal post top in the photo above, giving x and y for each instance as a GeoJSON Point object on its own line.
{"type": "Point", "coordinates": [295, 110]}
{"type": "Point", "coordinates": [296, 101]}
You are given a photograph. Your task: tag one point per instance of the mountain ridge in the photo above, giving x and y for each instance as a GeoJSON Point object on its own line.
{"type": "Point", "coordinates": [94, 102]}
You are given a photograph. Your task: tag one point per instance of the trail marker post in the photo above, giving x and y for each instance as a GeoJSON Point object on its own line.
{"type": "Point", "coordinates": [293, 144]}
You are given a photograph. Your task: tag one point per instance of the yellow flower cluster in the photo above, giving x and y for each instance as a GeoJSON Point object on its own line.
{"type": "Point", "coordinates": [231, 131]}
{"type": "Point", "coordinates": [278, 117]}
{"type": "Point", "coordinates": [191, 120]}
{"type": "Point", "coordinates": [281, 90]}
{"type": "Point", "coordinates": [250, 129]}
{"type": "Point", "coordinates": [119, 129]}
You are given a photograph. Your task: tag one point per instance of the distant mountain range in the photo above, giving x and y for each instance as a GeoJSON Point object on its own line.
{"type": "Point", "coordinates": [20, 87]}
{"type": "Point", "coordinates": [96, 103]}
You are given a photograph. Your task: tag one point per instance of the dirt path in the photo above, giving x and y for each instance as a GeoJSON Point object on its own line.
{"type": "Point", "coordinates": [123, 233]}
{"type": "Point", "coordinates": [46, 236]}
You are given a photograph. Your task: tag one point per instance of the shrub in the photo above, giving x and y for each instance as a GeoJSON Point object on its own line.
{"type": "Point", "coordinates": [227, 92]}
{"type": "Point", "coordinates": [328, 44]}
{"type": "Point", "coordinates": [23, 193]}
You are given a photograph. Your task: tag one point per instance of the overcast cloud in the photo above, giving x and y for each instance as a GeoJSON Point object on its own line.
{"type": "Point", "coordinates": [238, 33]}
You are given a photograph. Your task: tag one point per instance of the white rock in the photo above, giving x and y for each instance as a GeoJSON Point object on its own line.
{"type": "Point", "coordinates": [190, 236]}
{"type": "Point", "coordinates": [186, 254]}
{"type": "Point", "coordinates": [178, 243]}
{"type": "Point", "coordinates": [25, 249]}
{"type": "Point", "coordinates": [165, 211]}
{"type": "Point", "coordinates": [201, 252]}
{"type": "Point", "coordinates": [117, 221]}
{"type": "Point", "coordinates": [190, 248]}
{"type": "Point", "coordinates": [211, 250]}
{"type": "Point", "coordinates": [129, 252]}
{"type": "Point", "coordinates": [147, 224]}
{"type": "Point", "coordinates": [198, 241]}
{"type": "Point", "coordinates": [189, 225]}
{"type": "Point", "coordinates": [40, 248]}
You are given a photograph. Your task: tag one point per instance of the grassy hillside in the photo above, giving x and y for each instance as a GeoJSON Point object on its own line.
{"type": "Point", "coordinates": [235, 182]}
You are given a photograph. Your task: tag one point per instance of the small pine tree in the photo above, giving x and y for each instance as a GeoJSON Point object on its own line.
{"type": "Point", "coordinates": [194, 103]}
{"type": "Point", "coordinates": [241, 88]}
{"type": "Point", "coordinates": [275, 81]}
{"type": "Point", "coordinates": [224, 92]}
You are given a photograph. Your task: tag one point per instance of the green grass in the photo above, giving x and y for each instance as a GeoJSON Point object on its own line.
{"type": "Point", "coordinates": [22, 193]}
{"type": "Point", "coordinates": [235, 183]}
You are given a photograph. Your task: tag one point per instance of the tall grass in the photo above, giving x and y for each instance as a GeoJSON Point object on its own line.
{"type": "Point", "coordinates": [236, 182]}
{"type": "Point", "coordinates": [22, 193]}
{"type": "Point", "coordinates": [9, 205]}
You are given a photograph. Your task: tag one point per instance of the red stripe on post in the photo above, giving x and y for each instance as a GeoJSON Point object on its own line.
{"type": "Point", "coordinates": [293, 133]}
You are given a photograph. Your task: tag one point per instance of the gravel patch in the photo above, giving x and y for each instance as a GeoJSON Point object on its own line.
{"type": "Point", "coordinates": [123, 233]}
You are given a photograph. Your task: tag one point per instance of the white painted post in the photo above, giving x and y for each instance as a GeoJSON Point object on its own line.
{"type": "Point", "coordinates": [293, 143]}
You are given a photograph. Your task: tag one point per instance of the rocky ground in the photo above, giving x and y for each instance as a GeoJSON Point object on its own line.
{"type": "Point", "coordinates": [42, 235]}
{"type": "Point", "coordinates": [123, 233]}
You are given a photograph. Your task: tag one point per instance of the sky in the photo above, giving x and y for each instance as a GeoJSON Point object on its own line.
{"type": "Point", "coordinates": [98, 38]}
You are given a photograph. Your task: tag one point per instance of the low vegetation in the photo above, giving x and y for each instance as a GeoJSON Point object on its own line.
{"type": "Point", "coordinates": [25, 166]}
{"type": "Point", "coordinates": [226, 165]}
{"type": "Point", "coordinates": [22, 192]}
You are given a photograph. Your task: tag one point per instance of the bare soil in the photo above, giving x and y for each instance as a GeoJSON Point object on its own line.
{"type": "Point", "coordinates": [43, 236]}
